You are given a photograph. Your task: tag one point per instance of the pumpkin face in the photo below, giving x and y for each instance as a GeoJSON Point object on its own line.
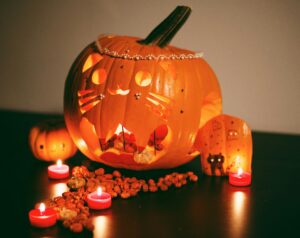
{"type": "Point", "coordinates": [225, 143]}
{"type": "Point", "coordinates": [138, 104]}
{"type": "Point", "coordinates": [50, 141]}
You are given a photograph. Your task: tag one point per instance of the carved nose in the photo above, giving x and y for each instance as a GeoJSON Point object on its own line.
{"type": "Point", "coordinates": [118, 91]}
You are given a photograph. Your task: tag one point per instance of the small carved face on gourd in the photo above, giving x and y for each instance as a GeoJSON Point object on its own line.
{"type": "Point", "coordinates": [50, 141]}
{"type": "Point", "coordinates": [138, 104]}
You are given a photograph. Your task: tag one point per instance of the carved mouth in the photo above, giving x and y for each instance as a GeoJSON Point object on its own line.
{"type": "Point", "coordinates": [123, 141]}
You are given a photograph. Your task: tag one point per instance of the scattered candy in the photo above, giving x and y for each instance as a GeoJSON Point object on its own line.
{"type": "Point", "coordinates": [72, 207]}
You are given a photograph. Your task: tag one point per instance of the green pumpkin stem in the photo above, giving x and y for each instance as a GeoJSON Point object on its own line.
{"type": "Point", "coordinates": [166, 30]}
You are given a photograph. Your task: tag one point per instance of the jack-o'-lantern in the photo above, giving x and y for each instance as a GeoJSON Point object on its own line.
{"type": "Point", "coordinates": [138, 103]}
{"type": "Point", "coordinates": [49, 141]}
{"type": "Point", "coordinates": [225, 143]}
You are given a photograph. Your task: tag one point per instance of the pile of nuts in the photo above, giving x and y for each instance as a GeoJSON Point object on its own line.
{"type": "Point", "coordinates": [72, 210]}
{"type": "Point", "coordinates": [72, 207]}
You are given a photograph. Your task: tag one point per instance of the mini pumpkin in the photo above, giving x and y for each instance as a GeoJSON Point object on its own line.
{"type": "Point", "coordinates": [50, 141]}
{"type": "Point", "coordinates": [225, 143]}
{"type": "Point", "coordinates": [138, 103]}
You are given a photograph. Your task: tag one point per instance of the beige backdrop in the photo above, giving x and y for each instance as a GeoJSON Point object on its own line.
{"type": "Point", "coordinates": [253, 46]}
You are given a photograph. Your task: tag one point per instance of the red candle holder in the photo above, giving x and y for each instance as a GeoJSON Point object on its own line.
{"type": "Point", "coordinates": [42, 217]}
{"type": "Point", "coordinates": [99, 200]}
{"type": "Point", "coordinates": [58, 171]}
{"type": "Point", "coordinates": [240, 178]}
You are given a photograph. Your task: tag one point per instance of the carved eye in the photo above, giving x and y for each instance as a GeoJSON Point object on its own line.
{"type": "Point", "coordinates": [99, 76]}
{"type": "Point", "coordinates": [143, 78]}
{"type": "Point", "coordinates": [212, 160]}
{"type": "Point", "coordinates": [219, 160]}
{"type": "Point", "coordinates": [41, 147]}
{"type": "Point", "coordinates": [232, 133]}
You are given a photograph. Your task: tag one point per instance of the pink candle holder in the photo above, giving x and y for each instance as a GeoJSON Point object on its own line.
{"type": "Point", "coordinates": [99, 200]}
{"type": "Point", "coordinates": [240, 178]}
{"type": "Point", "coordinates": [58, 170]}
{"type": "Point", "coordinates": [42, 217]}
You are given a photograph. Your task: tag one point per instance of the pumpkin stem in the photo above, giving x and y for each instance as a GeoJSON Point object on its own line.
{"type": "Point", "coordinates": [166, 30]}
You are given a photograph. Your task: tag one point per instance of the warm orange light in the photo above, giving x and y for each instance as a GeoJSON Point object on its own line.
{"type": "Point", "coordinates": [141, 95]}
{"type": "Point", "coordinates": [50, 140]}
{"type": "Point", "coordinates": [239, 213]}
{"type": "Point", "coordinates": [238, 160]}
{"type": "Point", "coordinates": [99, 191]}
{"type": "Point", "coordinates": [91, 61]}
{"type": "Point", "coordinates": [238, 203]}
{"type": "Point", "coordinates": [58, 189]}
{"type": "Point", "coordinates": [102, 226]}
{"type": "Point", "coordinates": [120, 129]}
{"type": "Point", "coordinates": [240, 171]}
{"type": "Point", "coordinates": [143, 78]}
{"type": "Point", "coordinates": [42, 207]}
{"type": "Point", "coordinates": [118, 91]}
{"type": "Point", "coordinates": [59, 163]}
{"type": "Point", "coordinates": [228, 137]}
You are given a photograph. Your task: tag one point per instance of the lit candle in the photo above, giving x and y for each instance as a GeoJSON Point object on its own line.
{"type": "Point", "coordinates": [42, 217]}
{"type": "Point", "coordinates": [99, 200]}
{"type": "Point", "coordinates": [58, 170]}
{"type": "Point", "coordinates": [240, 178]}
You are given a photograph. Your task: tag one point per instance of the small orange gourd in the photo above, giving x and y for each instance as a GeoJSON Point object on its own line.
{"type": "Point", "coordinates": [138, 103]}
{"type": "Point", "coordinates": [50, 141]}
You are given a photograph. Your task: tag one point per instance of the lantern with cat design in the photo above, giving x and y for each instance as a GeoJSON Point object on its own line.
{"type": "Point", "coordinates": [138, 104]}
{"type": "Point", "coordinates": [225, 143]}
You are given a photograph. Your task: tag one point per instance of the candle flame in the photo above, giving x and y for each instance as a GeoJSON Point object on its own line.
{"type": "Point", "coordinates": [240, 171]}
{"type": "Point", "coordinates": [58, 163]}
{"type": "Point", "coordinates": [42, 207]}
{"type": "Point", "coordinates": [99, 191]}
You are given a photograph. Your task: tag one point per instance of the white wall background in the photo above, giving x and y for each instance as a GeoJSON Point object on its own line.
{"type": "Point", "coordinates": [253, 46]}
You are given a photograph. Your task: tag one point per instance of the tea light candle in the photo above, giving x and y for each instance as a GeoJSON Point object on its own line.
{"type": "Point", "coordinates": [240, 178]}
{"type": "Point", "coordinates": [42, 217]}
{"type": "Point", "coordinates": [58, 171]}
{"type": "Point", "coordinates": [99, 200]}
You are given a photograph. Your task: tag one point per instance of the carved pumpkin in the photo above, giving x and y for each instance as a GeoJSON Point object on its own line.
{"type": "Point", "coordinates": [50, 141]}
{"type": "Point", "coordinates": [225, 143]}
{"type": "Point", "coordinates": [138, 104]}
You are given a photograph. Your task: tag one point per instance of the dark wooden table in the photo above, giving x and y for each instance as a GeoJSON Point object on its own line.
{"type": "Point", "coordinates": [208, 208]}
